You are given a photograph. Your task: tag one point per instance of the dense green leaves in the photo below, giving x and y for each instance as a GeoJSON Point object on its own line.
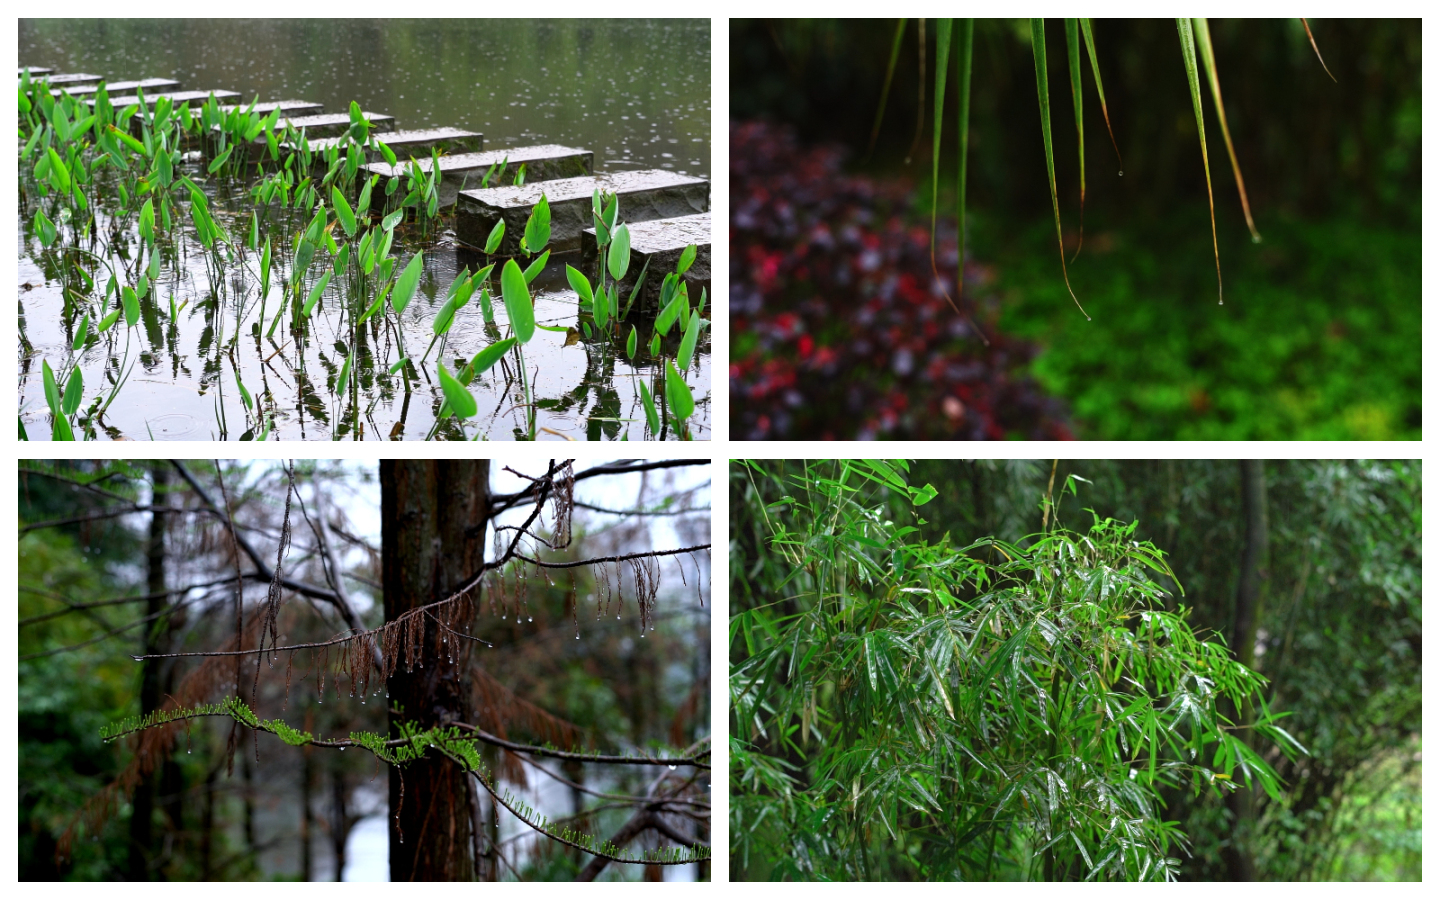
{"type": "Point", "coordinates": [967, 709]}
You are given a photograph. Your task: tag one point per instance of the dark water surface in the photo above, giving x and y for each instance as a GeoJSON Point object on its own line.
{"type": "Point", "coordinates": [635, 92]}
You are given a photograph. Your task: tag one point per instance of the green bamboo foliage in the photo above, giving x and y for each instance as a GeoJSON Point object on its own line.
{"type": "Point", "coordinates": [1037, 43]}
{"type": "Point", "coordinates": [963, 57]}
{"type": "Point", "coordinates": [1072, 52]}
{"type": "Point", "coordinates": [1187, 50]}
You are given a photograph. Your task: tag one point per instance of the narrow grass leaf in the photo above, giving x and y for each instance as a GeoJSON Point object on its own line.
{"type": "Point", "coordinates": [1085, 29]}
{"type": "Point", "coordinates": [962, 73]}
{"type": "Point", "coordinates": [942, 69]}
{"type": "Point", "coordinates": [1207, 53]}
{"type": "Point", "coordinates": [1317, 51]}
{"type": "Point", "coordinates": [889, 79]}
{"type": "Point", "coordinates": [1042, 84]}
{"type": "Point", "coordinates": [1192, 75]}
{"type": "Point", "coordinates": [1072, 52]}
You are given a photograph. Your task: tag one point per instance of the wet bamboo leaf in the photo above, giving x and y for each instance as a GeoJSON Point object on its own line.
{"type": "Point", "coordinates": [1037, 45]}
{"type": "Point", "coordinates": [1192, 75]}
{"type": "Point", "coordinates": [942, 69]}
{"type": "Point", "coordinates": [517, 301]}
{"type": "Point", "coordinates": [1077, 99]}
{"type": "Point", "coordinates": [1207, 53]}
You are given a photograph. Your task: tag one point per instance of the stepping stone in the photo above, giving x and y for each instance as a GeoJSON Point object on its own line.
{"type": "Point", "coordinates": [286, 107]}
{"type": "Point", "coordinates": [336, 124]}
{"type": "Point", "coordinates": [329, 125]}
{"type": "Point", "coordinates": [545, 162]}
{"type": "Point", "coordinates": [644, 195]}
{"type": "Point", "coordinates": [180, 98]}
{"type": "Point", "coordinates": [121, 87]}
{"type": "Point", "coordinates": [660, 243]}
{"type": "Point", "coordinates": [418, 144]}
{"type": "Point", "coordinates": [75, 79]}
{"type": "Point", "coordinates": [35, 71]}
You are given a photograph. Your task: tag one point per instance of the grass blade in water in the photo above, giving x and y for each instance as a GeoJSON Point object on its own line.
{"type": "Point", "coordinates": [1187, 51]}
{"type": "Point", "coordinates": [1207, 53]}
{"type": "Point", "coordinates": [1037, 44]}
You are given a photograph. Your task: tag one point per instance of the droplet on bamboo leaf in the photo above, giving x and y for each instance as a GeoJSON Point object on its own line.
{"type": "Point", "coordinates": [529, 618]}
{"type": "Point", "coordinates": [1122, 174]}
{"type": "Point", "coordinates": [672, 768]}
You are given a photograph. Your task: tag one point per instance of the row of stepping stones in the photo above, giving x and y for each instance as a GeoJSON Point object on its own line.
{"type": "Point", "coordinates": [665, 212]}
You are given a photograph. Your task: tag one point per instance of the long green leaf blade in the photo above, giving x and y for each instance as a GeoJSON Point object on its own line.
{"type": "Point", "coordinates": [1187, 51]}
{"type": "Point", "coordinates": [942, 69]}
{"type": "Point", "coordinates": [1086, 30]}
{"type": "Point", "coordinates": [517, 301]}
{"type": "Point", "coordinates": [1072, 52]}
{"type": "Point", "coordinates": [962, 74]}
{"type": "Point", "coordinates": [889, 79]}
{"type": "Point", "coordinates": [1037, 44]}
{"type": "Point", "coordinates": [1207, 53]}
{"type": "Point", "coordinates": [409, 280]}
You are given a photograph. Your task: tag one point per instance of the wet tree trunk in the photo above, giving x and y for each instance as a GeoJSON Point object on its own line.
{"type": "Point", "coordinates": [1249, 596]}
{"type": "Point", "coordinates": [433, 516]}
{"type": "Point", "coordinates": [307, 817]}
{"type": "Point", "coordinates": [340, 824]}
{"type": "Point", "coordinates": [142, 840]}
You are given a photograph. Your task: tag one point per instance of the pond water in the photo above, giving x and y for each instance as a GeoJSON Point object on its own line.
{"type": "Point", "coordinates": [636, 93]}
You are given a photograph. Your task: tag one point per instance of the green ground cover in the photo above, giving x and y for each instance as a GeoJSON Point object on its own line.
{"type": "Point", "coordinates": [1319, 337]}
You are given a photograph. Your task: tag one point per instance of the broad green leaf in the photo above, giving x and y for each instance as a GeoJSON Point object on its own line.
{"type": "Point", "coordinates": [52, 392]}
{"type": "Point", "coordinates": [244, 394]}
{"type": "Point", "coordinates": [517, 301]}
{"type": "Point", "coordinates": [132, 306]}
{"type": "Point", "coordinates": [343, 211]}
{"type": "Point", "coordinates": [110, 319]}
{"type": "Point", "coordinates": [533, 270]}
{"type": "Point", "coordinates": [343, 382]}
{"type": "Point", "coordinates": [580, 283]}
{"type": "Point", "coordinates": [390, 221]}
{"type": "Point", "coordinates": [444, 318]}
{"type": "Point", "coordinates": [81, 332]}
{"type": "Point", "coordinates": [687, 259]}
{"type": "Point", "coordinates": [677, 392]}
{"type": "Point", "coordinates": [315, 293]}
{"type": "Point", "coordinates": [687, 343]}
{"type": "Point", "coordinates": [409, 280]}
{"type": "Point", "coordinates": [619, 256]}
{"type": "Point", "coordinates": [487, 358]}
{"type": "Point", "coordinates": [497, 234]}
{"type": "Point", "coordinates": [461, 401]}
{"type": "Point", "coordinates": [630, 343]}
{"type": "Point", "coordinates": [671, 312]}
{"type": "Point", "coordinates": [219, 161]}
{"type": "Point", "coordinates": [537, 227]}
{"type": "Point", "coordinates": [651, 416]}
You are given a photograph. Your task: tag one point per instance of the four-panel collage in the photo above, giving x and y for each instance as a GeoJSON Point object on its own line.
{"type": "Point", "coordinates": [1182, 245]}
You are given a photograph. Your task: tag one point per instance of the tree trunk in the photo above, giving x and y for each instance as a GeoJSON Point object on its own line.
{"type": "Point", "coordinates": [1249, 597]}
{"type": "Point", "coordinates": [307, 778]}
{"type": "Point", "coordinates": [143, 801]}
{"type": "Point", "coordinates": [433, 516]}
{"type": "Point", "coordinates": [340, 823]}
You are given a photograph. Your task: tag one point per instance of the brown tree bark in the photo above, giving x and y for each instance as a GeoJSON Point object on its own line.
{"type": "Point", "coordinates": [433, 516]}
{"type": "Point", "coordinates": [1249, 598]}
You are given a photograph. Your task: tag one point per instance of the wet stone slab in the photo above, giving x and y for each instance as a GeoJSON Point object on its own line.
{"type": "Point", "coordinates": [179, 98]}
{"type": "Point", "coordinates": [660, 243]}
{"type": "Point", "coordinates": [35, 71]}
{"type": "Point", "coordinates": [645, 195]}
{"type": "Point", "coordinates": [121, 87]}
{"type": "Point", "coordinates": [416, 143]}
{"type": "Point", "coordinates": [286, 107]}
{"type": "Point", "coordinates": [329, 125]}
{"type": "Point", "coordinates": [545, 162]}
{"type": "Point", "coordinates": [57, 80]}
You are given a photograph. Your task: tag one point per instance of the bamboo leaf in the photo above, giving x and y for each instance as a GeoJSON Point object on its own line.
{"type": "Point", "coordinates": [1187, 51]}
{"type": "Point", "coordinates": [1037, 44]}
{"type": "Point", "coordinates": [1085, 29]}
{"type": "Point", "coordinates": [1207, 53]}
{"type": "Point", "coordinates": [1317, 51]}
{"type": "Point", "coordinates": [889, 78]}
{"type": "Point", "coordinates": [942, 60]}
{"type": "Point", "coordinates": [1072, 52]}
{"type": "Point", "coordinates": [962, 75]}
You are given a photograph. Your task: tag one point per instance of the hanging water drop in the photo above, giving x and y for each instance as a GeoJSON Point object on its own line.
{"type": "Point", "coordinates": [672, 768]}
{"type": "Point", "coordinates": [529, 618]}
{"type": "Point", "coordinates": [1122, 174]}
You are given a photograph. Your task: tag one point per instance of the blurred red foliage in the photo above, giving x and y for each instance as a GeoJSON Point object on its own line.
{"type": "Point", "coordinates": [838, 327]}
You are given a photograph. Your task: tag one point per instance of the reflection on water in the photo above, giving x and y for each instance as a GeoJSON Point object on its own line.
{"type": "Point", "coordinates": [635, 91]}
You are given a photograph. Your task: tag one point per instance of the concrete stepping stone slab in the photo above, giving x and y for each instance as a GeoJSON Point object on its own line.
{"type": "Point", "coordinates": [645, 195]}
{"type": "Point", "coordinates": [121, 87]}
{"type": "Point", "coordinates": [416, 143]}
{"type": "Point", "coordinates": [543, 163]}
{"type": "Point", "coordinates": [660, 243]}
{"type": "Point", "coordinates": [75, 79]}
{"type": "Point", "coordinates": [178, 98]}
{"type": "Point", "coordinates": [286, 107]}
{"type": "Point", "coordinates": [35, 71]}
{"type": "Point", "coordinates": [322, 126]}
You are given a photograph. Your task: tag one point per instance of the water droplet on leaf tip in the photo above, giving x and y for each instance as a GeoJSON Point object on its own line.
{"type": "Point", "coordinates": [530, 618]}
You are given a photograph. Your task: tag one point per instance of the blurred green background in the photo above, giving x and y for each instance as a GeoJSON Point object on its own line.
{"type": "Point", "coordinates": [1319, 337]}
